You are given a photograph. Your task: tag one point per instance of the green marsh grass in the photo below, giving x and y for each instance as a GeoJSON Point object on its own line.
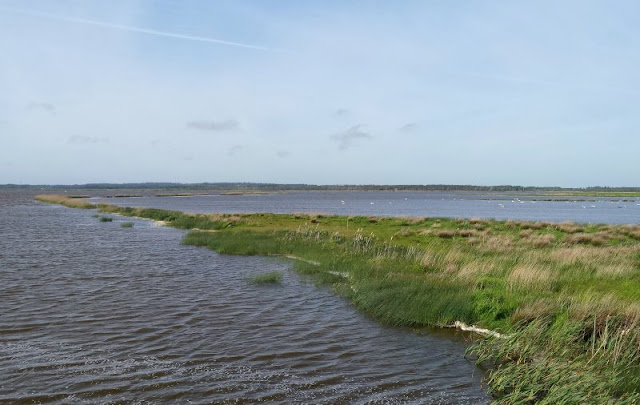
{"type": "Point", "coordinates": [566, 295]}
{"type": "Point", "coordinates": [106, 219]}
{"type": "Point", "coordinates": [126, 225]}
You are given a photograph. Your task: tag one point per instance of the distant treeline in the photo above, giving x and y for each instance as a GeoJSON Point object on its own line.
{"type": "Point", "coordinates": [284, 187]}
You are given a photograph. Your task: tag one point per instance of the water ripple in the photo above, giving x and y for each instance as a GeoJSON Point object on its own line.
{"type": "Point", "coordinates": [91, 312]}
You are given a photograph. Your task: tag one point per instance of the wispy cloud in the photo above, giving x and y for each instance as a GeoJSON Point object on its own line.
{"type": "Point", "coordinates": [140, 30]}
{"type": "Point", "coordinates": [550, 83]}
{"type": "Point", "coordinates": [409, 127]}
{"type": "Point", "coordinates": [234, 150]}
{"type": "Point", "coordinates": [84, 140]}
{"type": "Point", "coordinates": [41, 106]}
{"type": "Point", "coordinates": [341, 112]}
{"type": "Point", "coordinates": [227, 125]}
{"type": "Point", "coordinates": [346, 138]}
{"type": "Point", "coordinates": [283, 154]}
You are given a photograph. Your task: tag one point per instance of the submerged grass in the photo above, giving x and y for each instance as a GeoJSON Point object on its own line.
{"type": "Point", "coordinates": [267, 278]}
{"type": "Point", "coordinates": [566, 295]}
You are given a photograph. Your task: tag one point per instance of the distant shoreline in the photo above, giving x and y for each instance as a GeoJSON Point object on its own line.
{"type": "Point", "coordinates": [256, 188]}
{"type": "Point", "coordinates": [238, 189]}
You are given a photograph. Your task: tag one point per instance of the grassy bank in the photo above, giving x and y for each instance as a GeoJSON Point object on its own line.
{"type": "Point", "coordinates": [566, 296]}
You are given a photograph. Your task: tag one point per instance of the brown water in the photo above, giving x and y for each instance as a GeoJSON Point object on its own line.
{"type": "Point", "coordinates": [91, 312]}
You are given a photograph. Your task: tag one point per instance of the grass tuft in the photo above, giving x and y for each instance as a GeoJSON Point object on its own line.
{"type": "Point", "coordinates": [267, 278]}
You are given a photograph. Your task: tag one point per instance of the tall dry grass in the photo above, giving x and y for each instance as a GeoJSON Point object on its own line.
{"type": "Point", "coordinates": [67, 201]}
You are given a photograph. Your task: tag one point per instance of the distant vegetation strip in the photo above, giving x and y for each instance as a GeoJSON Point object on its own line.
{"type": "Point", "coordinates": [565, 297]}
{"type": "Point", "coordinates": [195, 188]}
{"type": "Point", "coordinates": [593, 193]}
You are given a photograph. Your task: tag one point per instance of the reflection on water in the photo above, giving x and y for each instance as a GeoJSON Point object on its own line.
{"type": "Point", "coordinates": [91, 312]}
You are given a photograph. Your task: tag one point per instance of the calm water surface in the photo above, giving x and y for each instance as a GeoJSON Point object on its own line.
{"type": "Point", "coordinates": [91, 312]}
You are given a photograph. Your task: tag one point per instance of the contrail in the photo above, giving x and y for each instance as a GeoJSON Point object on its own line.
{"type": "Point", "coordinates": [141, 30]}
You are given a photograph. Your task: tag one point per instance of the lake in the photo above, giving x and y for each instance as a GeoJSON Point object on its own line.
{"type": "Point", "coordinates": [611, 210]}
{"type": "Point", "coordinates": [91, 312]}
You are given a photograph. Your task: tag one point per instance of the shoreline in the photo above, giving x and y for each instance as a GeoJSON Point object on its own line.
{"type": "Point", "coordinates": [459, 325]}
{"type": "Point", "coordinates": [565, 296]}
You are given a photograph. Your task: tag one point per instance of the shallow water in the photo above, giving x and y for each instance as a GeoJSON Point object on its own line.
{"type": "Point", "coordinates": [91, 312]}
{"type": "Point", "coordinates": [414, 204]}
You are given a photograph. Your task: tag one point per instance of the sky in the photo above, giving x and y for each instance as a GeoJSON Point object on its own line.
{"type": "Point", "coordinates": [531, 93]}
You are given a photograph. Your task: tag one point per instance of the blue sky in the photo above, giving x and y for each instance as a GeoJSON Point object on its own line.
{"type": "Point", "coordinates": [324, 92]}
